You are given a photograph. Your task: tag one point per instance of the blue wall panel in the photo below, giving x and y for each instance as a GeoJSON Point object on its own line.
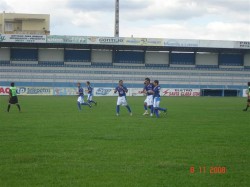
{"type": "Point", "coordinates": [182, 58]}
{"type": "Point", "coordinates": [129, 57]}
{"type": "Point", "coordinates": [77, 55]}
{"type": "Point", "coordinates": [231, 59]}
{"type": "Point", "coordinates": [17, 54]}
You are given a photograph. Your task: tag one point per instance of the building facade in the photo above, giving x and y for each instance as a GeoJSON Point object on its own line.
{"type": "Point", "coordinates": [18, 23]}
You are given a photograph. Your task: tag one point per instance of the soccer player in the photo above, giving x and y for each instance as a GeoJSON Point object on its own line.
{"type": "Point", "coordinates": [149, 100]}
{"type": "Point", "coordinates": [121, 100]}
{"type": "Point", "coordinates": [145, 102]}
{"type": "Point", "coordinates": [157, 99]}
{"type": "Point", "coordinates": [90, 93]}
{"type": "Point", "coordinates": [80, 100]}
{"type": "Point", "coordinates": [13, 100]}
{"type": "Point", "coordinates": [248, 98]}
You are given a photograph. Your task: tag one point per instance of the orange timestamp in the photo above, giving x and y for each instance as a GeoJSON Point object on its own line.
{"type": "Point", "coordinates": [210, 170]}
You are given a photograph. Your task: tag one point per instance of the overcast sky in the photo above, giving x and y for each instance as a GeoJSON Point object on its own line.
{"type": "Point", "coordinates": [180, 19]}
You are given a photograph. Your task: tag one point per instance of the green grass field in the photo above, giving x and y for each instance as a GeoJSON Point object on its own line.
{"type": "Point", "coordinates": [51, 143]}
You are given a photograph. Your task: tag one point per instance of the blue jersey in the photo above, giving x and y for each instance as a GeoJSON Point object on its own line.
{"type": "Point", "coordinates": [80, 91]}
{"type": "Point", "coordinates": [157, 91]}
{"type": "Point", "coordinates": [121, 90]}
{"type": "Point", "coordinates": [149, 87]}
{"type": "Point", "coordinates": [90, 90]}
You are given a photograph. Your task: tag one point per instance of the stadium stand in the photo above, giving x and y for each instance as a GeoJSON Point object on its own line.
{"type": "Point", "coordinates": [51, 63]}
{"type": "Point", "coordinates": [4, 62]}
{"type": "Point", "coordinates": [101, 64]}
{"type": "Point", "coordinates": [211, 70]}
{"type": "Point", "coordinates": [174, 77]}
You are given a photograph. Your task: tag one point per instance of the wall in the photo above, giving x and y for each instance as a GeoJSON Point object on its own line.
{"type": "Point", "coordinates": [157, 58]}
{"type": "Point", "coordinates": [34, 25]}
{"type": "Point", "coordinates": [4, 54]}
{"type": "Point", "coordinates": [101, 56]}
{"type": "Point", "coordinates": [247, 59]}
{"type": "Point", "coordinates": [1, 23]}
{"type": "Point", "coordinates": [206, 59]}
{"type": "Point", "coordinates": [51, 55]}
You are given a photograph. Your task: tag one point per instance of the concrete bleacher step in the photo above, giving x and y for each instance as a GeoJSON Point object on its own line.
{"type": "Point", "coordinates": [24, 62]}
{"type": "Point", "coordinates": [234, 67]}
{"type": "Point", "coordinates": [128, 64]}
{"type": "Point", "coordinates": [4, 62]}
{"type": "Point", "coordinates": [77, 63]}
{"type": "Point", "coordinates": [181, 65]}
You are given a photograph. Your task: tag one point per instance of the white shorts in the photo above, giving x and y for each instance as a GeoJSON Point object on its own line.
{"type": "Point", "coordinates": [90, 96]}
{"type": "Point", "coordinates": [80, 99]}
{"type": "Point", "coordinates": [122, 101]}
{"type": "Point", "coordinates": [157, 101]}
{"type": "Point", "coordinates": [149, 100]}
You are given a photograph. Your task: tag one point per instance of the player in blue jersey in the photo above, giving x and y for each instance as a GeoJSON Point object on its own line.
{"type": "Point", "coordinates": [80, 100]}
{"type": "Point", "coordinates": [149, 100]}
{"type": "Point", "coordinates": [90, 93]}
{"type": "Point", "coordinates": [122, 100]}
{"type": "Point", "coordinates": [157, 99]}
{"type": "Point", "coordinates": [145, 102]}
{"type": "Point", "coordinates": [248, 97]}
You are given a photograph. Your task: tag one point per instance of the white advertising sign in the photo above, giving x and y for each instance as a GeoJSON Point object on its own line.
{"type": "Point", "coordinates": [101, 91]}
{"type": "Point", "coordinates": [181, 43]}
{"type": "Point", "coordinates": [242, 44]}
{"type": "Point", "coordinates": [136, 92]}
{"type": "Point", "coordinates": [105, 40]}
{"type": "Point", "coordinates": [22, 38]}
{"type": "Point", "coordinates": [4, 90]}
{"type": "Point", "coordinates": [67, 39]}
{"type": "Point", "coordinates": [64, 91]}
{"type": "Point", "coordinates": [28, 90]}
{"type": "Point", "coordinates": [180, 92]}
{"type": "Point", "coordinates": [216, 44]}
